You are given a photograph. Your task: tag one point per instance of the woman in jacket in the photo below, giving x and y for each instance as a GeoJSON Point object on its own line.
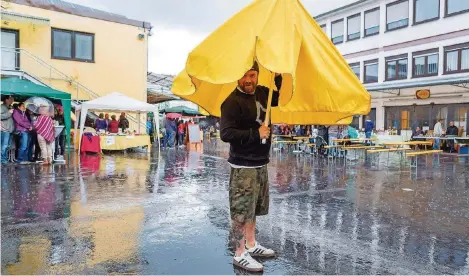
{"type": "Point", "coordinates": [100, 123]}
{"type": "Point", "coordinates": [23, 127]}
{"type": "Point", "coordinates": [113, 125]}
{"type": "Point", "coordinates": [123, 122]}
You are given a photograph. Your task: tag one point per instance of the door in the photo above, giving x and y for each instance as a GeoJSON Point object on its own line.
{"type": "Point", "coordinates": [10, 56]}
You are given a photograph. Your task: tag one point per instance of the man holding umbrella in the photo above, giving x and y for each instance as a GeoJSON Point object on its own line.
{"type": "Point", "coordinates": [242, 116]}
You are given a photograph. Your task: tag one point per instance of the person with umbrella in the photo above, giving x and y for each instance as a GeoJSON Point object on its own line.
{"type": "Point", "coordinates": [242, 125]}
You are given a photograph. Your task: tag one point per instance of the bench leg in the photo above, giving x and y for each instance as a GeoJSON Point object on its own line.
{"type": "Point", "coordinates": [413, 161]}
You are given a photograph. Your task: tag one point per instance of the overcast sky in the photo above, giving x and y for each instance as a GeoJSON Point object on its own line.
{"type": "Point", "coordinates": [179, 25]}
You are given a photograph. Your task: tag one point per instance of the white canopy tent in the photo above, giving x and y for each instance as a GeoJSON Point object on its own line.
{"type": "Point", "coordinates": [115, 102]}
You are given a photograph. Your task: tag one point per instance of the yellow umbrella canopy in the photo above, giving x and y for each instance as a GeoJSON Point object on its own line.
{"type": "Point", "coordinates": [278, 116]}
{"type": "Point", "coordinates": [282, 37]}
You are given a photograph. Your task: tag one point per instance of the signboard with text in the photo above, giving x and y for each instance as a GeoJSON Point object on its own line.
{"type": "Point", "coordinates": [422, 94]}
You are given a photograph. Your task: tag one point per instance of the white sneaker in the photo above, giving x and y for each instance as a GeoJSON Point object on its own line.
{"type": "Point", "coordinates": [245, 261]}
{"type": "Point", "coordinates": [260, 251]}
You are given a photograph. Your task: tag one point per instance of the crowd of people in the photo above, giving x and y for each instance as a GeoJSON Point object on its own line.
{"type": "Point", "coordinates": [30, 134]}
{"type": "Point", "coordinates": [103, 124]}
{"type": "Point", "coordinates": [451, 131]}
{"type": "Point", "coordinates": [326, 132]}
{"type": "Point", "coordinates": [175, 132]}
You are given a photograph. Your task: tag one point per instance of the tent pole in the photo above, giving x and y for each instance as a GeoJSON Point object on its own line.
{"type": "Point", "coordinates": [138, 121]}
{"type": "Point", "coordinates": [156, 118]}
{"type": "Point", "coordinates": [77, 119]}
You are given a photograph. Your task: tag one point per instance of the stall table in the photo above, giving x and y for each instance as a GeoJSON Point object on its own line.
{"type": "Point", "coordinates": [462, 143]}
{"type": "Point", "coordinates": [117, 142]}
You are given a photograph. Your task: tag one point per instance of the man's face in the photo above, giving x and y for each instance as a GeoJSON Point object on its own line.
{"type": "Point", "coordinates": [9, 101]}
{"type": "Point", "coordinates": [248, 82]}
{"type": "Point", "coordinates": [417, 129]}
{"type": "Point", "coordinates": [451, 123]}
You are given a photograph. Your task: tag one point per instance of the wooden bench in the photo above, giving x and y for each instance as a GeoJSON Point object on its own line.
{"type": "Point", "coordinates": [387, 150]}
{"type": "Point", "coordinates": [285, 142]}
{"type": "Point", "coordinates": [361, 147]}
{"type": "Point", "coordinates": [332, 147]}
{"type": "Point", "coordinates": [417, 153]}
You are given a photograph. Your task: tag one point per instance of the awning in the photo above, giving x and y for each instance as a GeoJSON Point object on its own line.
{"type": "Point", "coordinates": [23, 18]}
{"type": "Point", "coordinates": [21, 88]}
{"type": "Point", "coordinates": [460, 80]}
{"type": "Point", "coordinates": [184, 110]}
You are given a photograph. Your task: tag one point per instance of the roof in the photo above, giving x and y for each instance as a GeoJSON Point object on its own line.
{"type": "Point", "coordinates": [339, 9]}
{"type": "Point", "coordinates": [159, 82]}
{"type": "Point", "coordinates": [79, 10]}
{"type": "Point", "coordinates": [8, 15]}
{"type": "Point", "coordinates": [154, 97]}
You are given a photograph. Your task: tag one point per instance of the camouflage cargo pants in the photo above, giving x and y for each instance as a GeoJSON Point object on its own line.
{"type": "Point", "coordinates": [249, 193]}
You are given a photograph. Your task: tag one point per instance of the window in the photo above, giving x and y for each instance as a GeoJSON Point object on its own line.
{"type": "Point", "coordinates": [396, 67]}
{"type": "Point", "coordinates": [353, 27]}
{"type": "Point", "coordinates": [371, 71]}
{"type": "Point", "coordinates": [457, 58]}
{"type": "Point", "coordinates": [397, 15]}
{"type": "Point", "coordinates": [372, 22]}
{"type": "Point", "coordinates": [454, 7]}
{"type": "Point", "coordinates": [323, 27]}
{"type": "Point", "coordinates": [426, 10]}
{"type": "Point", "coordinates": [425, 63]}
{"type": "Point", "coordinates": [338, 31]}
{"type": "Point", "coordinates": [72, 45]}
{"type": "Point", "coordinates": [356, 69]}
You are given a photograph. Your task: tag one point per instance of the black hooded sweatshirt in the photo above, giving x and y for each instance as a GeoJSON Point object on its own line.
{"type": "Point", "coordinates": [241, 116]}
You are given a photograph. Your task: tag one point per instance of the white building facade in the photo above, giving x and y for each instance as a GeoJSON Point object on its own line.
{"type": "Point", "coordinates": [399, 47]}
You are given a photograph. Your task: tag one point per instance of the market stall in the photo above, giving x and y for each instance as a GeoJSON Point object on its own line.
{"type": "Point", "coordinates": [115, 102]}
{"type": "Point", "coordinates": [22, 89]}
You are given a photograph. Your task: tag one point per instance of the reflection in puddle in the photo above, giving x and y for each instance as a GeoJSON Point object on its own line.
{"type": "Point", "coordinates": [168, 214]}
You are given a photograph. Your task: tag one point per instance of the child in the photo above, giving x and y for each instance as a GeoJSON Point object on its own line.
{"type": "Point", "coordinates": [45, 134]}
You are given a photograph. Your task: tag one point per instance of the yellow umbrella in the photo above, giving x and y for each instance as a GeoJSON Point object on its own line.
{"type": "Point", "coordinates": [278, 116]}
{"type": "Point", "coordinates": [282, 37]}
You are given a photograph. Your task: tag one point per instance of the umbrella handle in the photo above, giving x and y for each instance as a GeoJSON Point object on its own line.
{"type": "Point", "coordinates": [269, 103]}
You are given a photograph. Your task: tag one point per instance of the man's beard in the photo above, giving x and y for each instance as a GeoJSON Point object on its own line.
{"type": "Point", "coordinates": [249, 89]}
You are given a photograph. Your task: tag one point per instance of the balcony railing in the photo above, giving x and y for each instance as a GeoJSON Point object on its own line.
{"type": "Point", "coordinates": [18, 61]}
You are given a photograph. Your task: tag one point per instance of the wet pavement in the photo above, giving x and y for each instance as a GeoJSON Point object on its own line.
{"type": "Point", "coordinates": [168, 213]}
